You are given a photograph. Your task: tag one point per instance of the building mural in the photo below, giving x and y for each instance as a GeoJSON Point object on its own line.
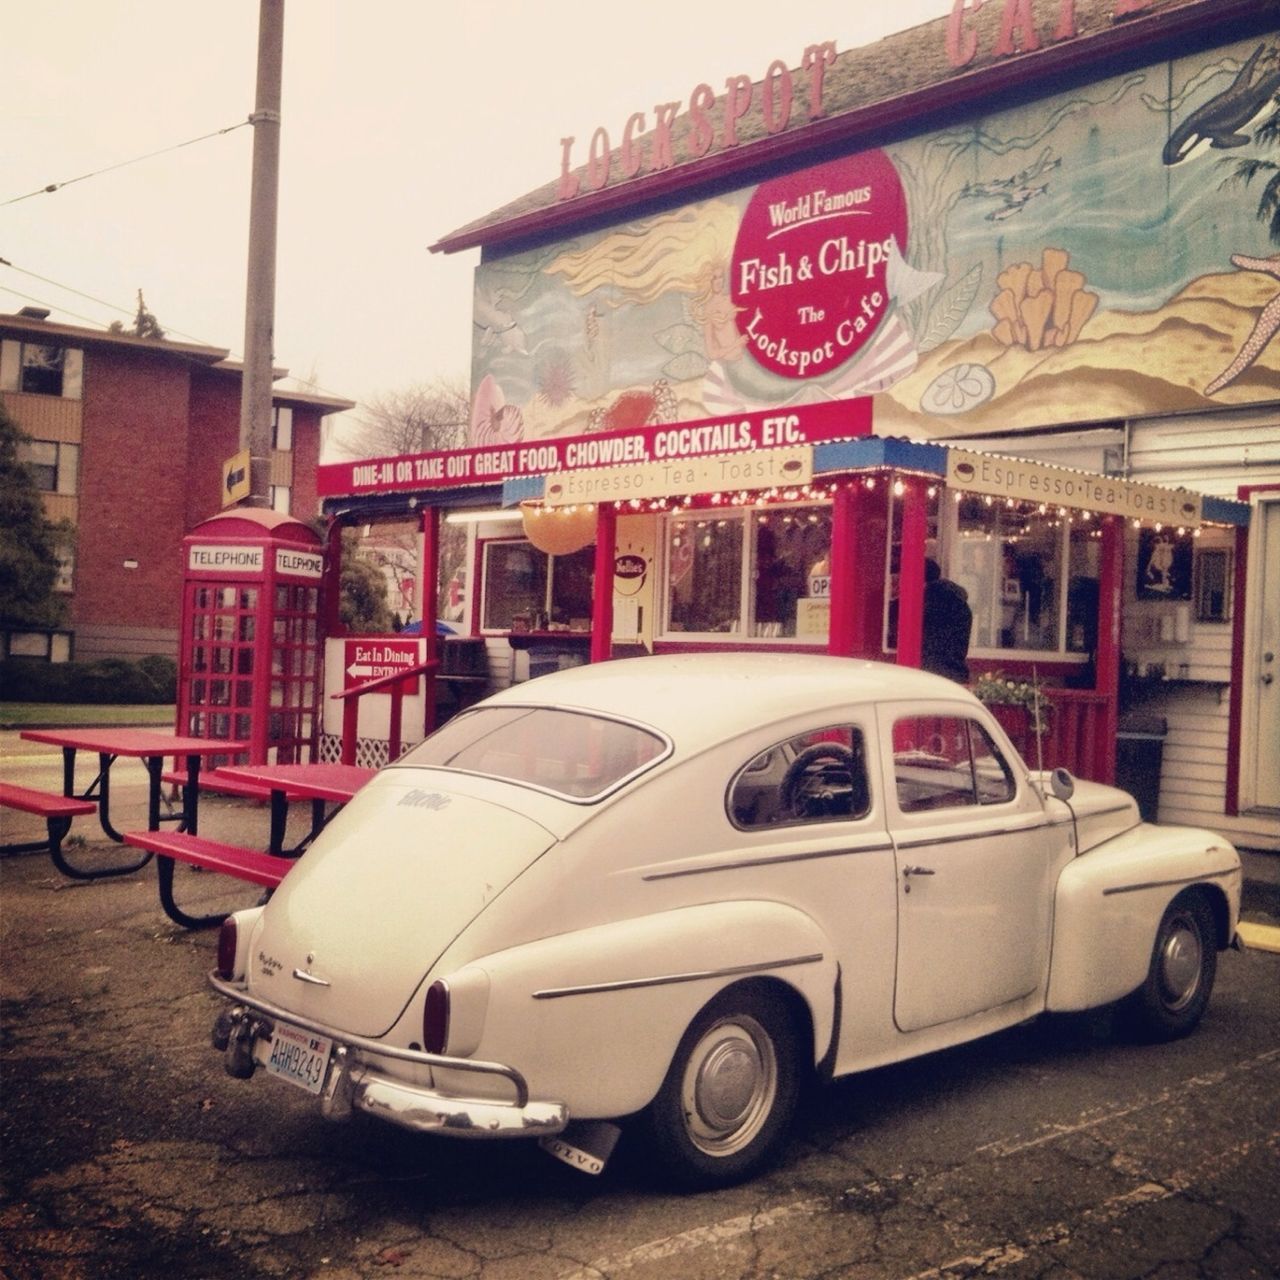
{"type": "Point", "coordinates": [1107, 253]}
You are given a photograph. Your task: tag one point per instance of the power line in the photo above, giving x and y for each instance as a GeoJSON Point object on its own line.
{"type": "Point", "coordinates": [306, 383]}
{"type": "Point", "coordinates": [57, 186]}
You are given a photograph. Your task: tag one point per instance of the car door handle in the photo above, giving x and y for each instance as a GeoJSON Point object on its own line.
{"type": "Point", "coordinates": [908, 871]}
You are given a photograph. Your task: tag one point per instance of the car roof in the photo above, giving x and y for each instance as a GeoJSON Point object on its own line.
{"type": "Point", "coordinates": [712, 696]}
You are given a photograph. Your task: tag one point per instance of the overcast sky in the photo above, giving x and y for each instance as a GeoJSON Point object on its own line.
{"type": "Point", "coordinates": [402, 121]}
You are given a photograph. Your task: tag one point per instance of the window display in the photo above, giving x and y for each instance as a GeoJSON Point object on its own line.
{"type": "Point", "coordinates": [761, 573]}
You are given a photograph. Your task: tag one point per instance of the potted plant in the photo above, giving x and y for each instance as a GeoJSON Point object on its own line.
{"type": "Point", "coordinates": [1021, 706]}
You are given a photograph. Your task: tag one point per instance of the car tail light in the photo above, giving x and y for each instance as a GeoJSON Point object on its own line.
{"type": "Point", "coordinates": [228, 937]}
{"type": "Point", "coordinates": [435, 1018]}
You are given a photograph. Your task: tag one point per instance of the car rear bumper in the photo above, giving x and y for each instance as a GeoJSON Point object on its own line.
{"type": "Point", "coordinates": [351, 1082]}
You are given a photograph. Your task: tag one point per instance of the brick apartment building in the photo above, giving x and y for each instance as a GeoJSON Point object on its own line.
{"type": "Point", "coordinates": [128, 440]}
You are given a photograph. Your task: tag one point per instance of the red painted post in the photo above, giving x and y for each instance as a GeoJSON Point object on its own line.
{"type": "Point", "coordinates": [429, 577]}
{"type": "Point", "coordinates": [842, 637]}
{"type": "Point", "coordinates": [911, 572]}
{"type": "Point", "coordinates": [602, 590]}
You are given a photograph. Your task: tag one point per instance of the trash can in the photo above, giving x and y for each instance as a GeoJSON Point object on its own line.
{"type": "Point", "coordinates": [1139, 755]}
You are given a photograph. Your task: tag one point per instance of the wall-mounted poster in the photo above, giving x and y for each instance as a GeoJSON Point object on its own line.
{"type": "Point", "coordinates": [1164, 566]}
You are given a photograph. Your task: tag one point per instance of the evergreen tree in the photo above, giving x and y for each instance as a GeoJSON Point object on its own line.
{"type": "Point", "coordinates": [29, 541]}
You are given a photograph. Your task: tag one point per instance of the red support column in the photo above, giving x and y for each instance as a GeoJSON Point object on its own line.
{"type": "Point", "coordinates": [1110, 604]}
{"type": "Point", "coordinates": [857, 573]}
{"type": "Point", "coordinates": [602, 591]}
{"type": "Point", "coordinates": [429, 577]}
{"type": "Point", "coordinates": [846, 625]}
{"type": "Point", "coordinates": [911, 572]}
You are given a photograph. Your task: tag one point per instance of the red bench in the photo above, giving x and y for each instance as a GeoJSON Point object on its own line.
{"type": "Point", "coordinates": [56, 810]}
{"type": "Point", "coordinates": [214, 855]}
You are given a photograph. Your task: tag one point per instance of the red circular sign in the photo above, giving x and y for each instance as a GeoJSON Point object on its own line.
{"type": "Point", "coordinates": [810, 261]}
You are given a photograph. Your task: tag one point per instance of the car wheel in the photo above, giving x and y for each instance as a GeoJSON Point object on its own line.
{"type": "Point", "coordinates": [1184, 961]}
{"type": "Point", "coordinates": [726, 1105]}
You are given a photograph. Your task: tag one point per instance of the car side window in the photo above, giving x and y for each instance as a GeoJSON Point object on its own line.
{"type": "Point", "coordinates": [816, 777]}
{"type": "Point", "coordinates": [947, 762]}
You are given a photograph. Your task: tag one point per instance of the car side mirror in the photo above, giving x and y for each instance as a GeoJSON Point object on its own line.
{"type": "Point", "coordinates": [1061, 784]}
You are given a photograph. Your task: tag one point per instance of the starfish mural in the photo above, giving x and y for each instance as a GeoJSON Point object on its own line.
{"type": "Point", "coordinates": [1264, 328]}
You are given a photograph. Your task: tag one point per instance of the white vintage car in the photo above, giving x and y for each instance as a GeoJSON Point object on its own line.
{"type": "Point", "coordinates": [664, 891]}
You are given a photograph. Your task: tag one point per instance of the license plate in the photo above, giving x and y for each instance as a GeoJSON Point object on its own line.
{"type": "Point", "coordinates": [299, 1057]}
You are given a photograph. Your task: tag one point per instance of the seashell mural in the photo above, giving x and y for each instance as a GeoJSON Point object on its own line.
{"type": "Point", "coordinates": [959, 389]}
{"type": "Point", "coordinates": [1041, 307]}
{"type": "Point", "coordinates": [493, 420]}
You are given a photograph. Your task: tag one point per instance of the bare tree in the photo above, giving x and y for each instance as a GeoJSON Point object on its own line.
{"type": "Point", "coordinates": [417, 419]}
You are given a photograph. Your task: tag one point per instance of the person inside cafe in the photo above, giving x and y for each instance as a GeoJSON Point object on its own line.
{"type": "Point", "coordinates": [948, 621]}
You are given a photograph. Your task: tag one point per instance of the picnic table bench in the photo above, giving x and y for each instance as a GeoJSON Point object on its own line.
{"type": "Point", "coordinates": [281, 784]}
{"type": "Point", "coordinates": [57, 811]}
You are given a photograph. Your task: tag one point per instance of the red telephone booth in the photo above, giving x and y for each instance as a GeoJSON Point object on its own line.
{"type": "Point", "coordinates": [249, 653]}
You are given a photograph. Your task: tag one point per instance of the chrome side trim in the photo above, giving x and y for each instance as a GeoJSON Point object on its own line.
{"type": "Point", "coordinates": [376, 1047]}
{"type": "Point", "coordinates": [985, 834]}
{"type": "Point", "coordinates": [1168, 884]}
{"type": "Point", "coordinates": [669, 979]}
{"type": "Point", "coordinates": [766, 861]}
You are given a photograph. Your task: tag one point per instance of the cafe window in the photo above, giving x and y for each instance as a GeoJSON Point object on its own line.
{"type": "Point", "coordinates": [54, 466]}
{"type": "Point", "coordinates": [526, 589]}
{"type": "Point", "coordinates": [1031, 575]}
{"type": "Point", "coordinates": [762, 573]}
{"type": "Point", "coordinates": [40, 369]}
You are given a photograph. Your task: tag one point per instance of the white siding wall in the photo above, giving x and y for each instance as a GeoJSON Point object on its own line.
{"type": "Point", "coordinates": [1213, 454]}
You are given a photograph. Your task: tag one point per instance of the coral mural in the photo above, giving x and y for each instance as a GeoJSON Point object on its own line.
{"type": "Point", "coordinates": [1109, 252]}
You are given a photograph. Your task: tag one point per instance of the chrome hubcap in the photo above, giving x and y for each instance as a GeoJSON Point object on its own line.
{"type": "Point", "coordinates": [729, 1086]}
{"type": "Point", "coordinates": [1180, 960]}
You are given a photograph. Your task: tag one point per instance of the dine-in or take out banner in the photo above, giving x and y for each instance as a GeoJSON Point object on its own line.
{"type": "Point", "coordinates": [660, 450]}
{"type": "Point", "coordinates": [1094, 255]}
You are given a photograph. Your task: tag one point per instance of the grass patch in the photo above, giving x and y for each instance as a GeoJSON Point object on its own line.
{"type": "Point", "coordinates": [57, 715]}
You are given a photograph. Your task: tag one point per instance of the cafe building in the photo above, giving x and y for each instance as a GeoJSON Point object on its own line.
{"type": "Point", "coordinates": [996, 292]}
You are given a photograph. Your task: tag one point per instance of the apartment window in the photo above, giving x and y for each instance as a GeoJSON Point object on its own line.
{"type": "Point", "coordinates": [54, 466]}
{"type": "Point", "coordinates": [280, 496]}
{"type": "Point", "coordinates": [65, 581]}
{"type": "Point", "coordinates": [282, 430]}
{"type": "Point", "coordinates": [40, 369]}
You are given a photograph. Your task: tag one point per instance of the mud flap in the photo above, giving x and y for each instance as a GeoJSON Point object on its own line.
{"type": "Point", "coordinates": [585, 1145]}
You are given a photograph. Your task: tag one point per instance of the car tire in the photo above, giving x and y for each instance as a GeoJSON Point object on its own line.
{"type": "Point", "coordinates": [725, 1107]}
{"type": "Point", "coordinates": [1179, 981]}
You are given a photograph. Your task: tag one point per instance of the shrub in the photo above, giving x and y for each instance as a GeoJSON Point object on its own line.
{"type": "Point", "coordinates": [153, 679]}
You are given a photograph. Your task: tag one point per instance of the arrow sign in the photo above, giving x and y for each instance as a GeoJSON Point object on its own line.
{"type": "Point", "coordinates": [235, 478]}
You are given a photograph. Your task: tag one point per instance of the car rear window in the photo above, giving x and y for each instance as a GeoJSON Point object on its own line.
{"type": "Point", "coordinates": [571, 753]}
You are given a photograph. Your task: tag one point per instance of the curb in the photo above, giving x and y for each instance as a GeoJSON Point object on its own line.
{"type": "Point", "coordinates": [1259, 937]}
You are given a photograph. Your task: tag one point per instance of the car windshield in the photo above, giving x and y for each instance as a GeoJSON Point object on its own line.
{"type": "Point", "coordinates": [573, 754]}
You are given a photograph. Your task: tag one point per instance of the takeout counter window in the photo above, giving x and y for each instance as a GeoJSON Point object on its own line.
{"type": "Point", "coordinates": [524, 589]}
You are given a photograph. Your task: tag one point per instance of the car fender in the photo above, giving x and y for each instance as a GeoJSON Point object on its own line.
{"type": "Point", "coordinates": [1109, 903]}
{"type": "Point", "coordinates": [592, 1017]}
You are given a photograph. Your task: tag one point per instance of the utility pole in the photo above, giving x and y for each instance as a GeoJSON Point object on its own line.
{"type": "Point", "coordinates": [260, 291]}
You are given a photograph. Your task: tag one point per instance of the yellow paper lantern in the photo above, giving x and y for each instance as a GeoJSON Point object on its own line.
{"type": "Point", "coordinates": [559, 531]}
